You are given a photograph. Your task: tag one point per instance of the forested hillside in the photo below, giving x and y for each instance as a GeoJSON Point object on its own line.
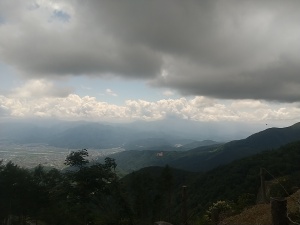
{"type": "Point", "coordinates": [237, 184]}
{"type": "Point", "coordinates": [205, 158]}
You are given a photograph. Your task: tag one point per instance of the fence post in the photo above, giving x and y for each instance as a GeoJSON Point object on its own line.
{"type": "Point", "coordinates": [263, 185]}
{"type": "Point", "coordinates": [215, 216]}
{"type": "Point", "coordinates": [279, 211]}
{"type": "Point", "coordinates": [184, 205]}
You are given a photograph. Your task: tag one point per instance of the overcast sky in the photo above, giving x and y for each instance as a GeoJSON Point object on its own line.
{"type": "Point", "coordinates": [215, 60]}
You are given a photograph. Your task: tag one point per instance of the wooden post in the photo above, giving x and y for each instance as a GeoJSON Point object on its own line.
{"type": "Point", "coordinates": [215, 216]}
{"type": "Point", "coordinates": [279, 211]}
{"type": "Point", "coordinates": [184, 209]}
{"type": "Point", "coordinates": [263, 186]}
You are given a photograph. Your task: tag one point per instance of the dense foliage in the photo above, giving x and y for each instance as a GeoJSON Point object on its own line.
{"type": "Point", "coordinates": [155, 193]}
{"type": "Point", "coordinates": [239, 182]}
{"type": "Point", "coordinates": [93, 193]}
{"type": "Point", "coordinates": [87, 195]}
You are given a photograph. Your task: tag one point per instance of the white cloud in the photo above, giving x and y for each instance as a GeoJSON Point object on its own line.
{"type": "Point", "coordinates": [110, 92]}
{"type": "Point", "coordinates": [85, 88]}
{"type": "Point", "coordinates": [40, 88]}
{"type": "Point", "coordinates": [4, 111]}
{"type": "Point", "coordinates": [197, 109]}
{"type": "Point", "coordinates": [168, 93]}
{"type": "Point", "coordinates": [248, 104]}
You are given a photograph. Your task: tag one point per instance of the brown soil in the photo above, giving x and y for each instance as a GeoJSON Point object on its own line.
{"type": "Point", "coordinates": [261, 214]}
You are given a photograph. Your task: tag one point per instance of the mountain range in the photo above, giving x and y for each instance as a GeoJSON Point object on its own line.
{"type": "Point", "coordinates": [151, 144]}
{"type": "Point", "coordinates": [204, 158]}
{"type": "Point", "coordinates": [169, 134]}
{"type": "Point", "coordinates": [78, 135]}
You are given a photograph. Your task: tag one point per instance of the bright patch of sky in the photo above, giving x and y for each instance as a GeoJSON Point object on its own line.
{"type": "Point", "coordinates": [61, 16]}
{"type": "Point", "coordinates": [2, 20]}
{"type": "Point", "coordinates": [124, 90]}
{"type": "Point", "coordinates": [8, 78]}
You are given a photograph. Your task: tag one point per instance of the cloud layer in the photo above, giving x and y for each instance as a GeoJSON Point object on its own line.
{"type": "Point", "coordinates": [233, 49]}
{"type": "Point", "coordinates": [24, 103]}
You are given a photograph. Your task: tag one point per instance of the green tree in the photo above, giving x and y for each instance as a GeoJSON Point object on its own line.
{"type": "Point", "coordinates": [16, 192]}
{"type": "Point", "coordinates": [88, 193]}
{"type": "Point", "coordinates": [218, 210]}
{"type": "Point", "coordinates": [167, 181]}
{"type": "Point", "coordinates": [245, 200]}
{"type": "Point", "coordinates": [77, 158]}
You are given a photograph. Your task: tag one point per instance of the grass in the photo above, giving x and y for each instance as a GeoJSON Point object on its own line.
{"type": "Point", "coordinates": [261, 214]}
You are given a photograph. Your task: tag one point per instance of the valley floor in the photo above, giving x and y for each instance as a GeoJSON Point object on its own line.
{"type": "Point", "coordinates": [31, 155]}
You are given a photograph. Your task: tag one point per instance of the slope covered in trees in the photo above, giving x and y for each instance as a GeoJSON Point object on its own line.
{"type": "Point", "coordinates": [239, 181]}
{"type": "Point", "coordinates": [205, 158]}
{"type": "Point", "coordinates": [236, 184]}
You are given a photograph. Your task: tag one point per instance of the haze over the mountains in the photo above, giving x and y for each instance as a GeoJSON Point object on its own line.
{"type": "Point", "coordinates": [205, 158]}
{"type": "Point", "coordinates": [181, 144]}
{"type": "Point", "coordinates": [83, 134]}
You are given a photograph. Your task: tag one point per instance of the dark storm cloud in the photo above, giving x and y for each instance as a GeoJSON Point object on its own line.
{"type": "Point", "coordinates": [226, 49]}
{"type": "Point", "coordinates": [278, 82]}
{"type": "Point", "coordinates": [79, 45]}
{"type": "Point", "coordinates": [79, 54]}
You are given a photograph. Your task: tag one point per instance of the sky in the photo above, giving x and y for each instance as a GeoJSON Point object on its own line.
{"type": "Point", "coordinates": [122, 61]}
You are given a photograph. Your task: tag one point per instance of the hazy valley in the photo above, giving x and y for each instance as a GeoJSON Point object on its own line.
{"type": "Point", "coordinates": [30, 143]}
{"type": "Point", "coordinates": [31, 155]}
{"type": "Point", "coordinates": [134, 146]}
